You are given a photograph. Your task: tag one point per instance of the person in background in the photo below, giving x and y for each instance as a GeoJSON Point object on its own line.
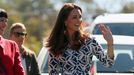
{"type": "Point", "coordinates": [10, 62]}
{"type": "Point", "coordinates": [71, 49]}
{"type": "Point", "coordinates": [18, 34]}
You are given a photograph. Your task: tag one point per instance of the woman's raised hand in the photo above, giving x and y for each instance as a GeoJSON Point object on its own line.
{"type": "Point", "coordinates": [106, 32]}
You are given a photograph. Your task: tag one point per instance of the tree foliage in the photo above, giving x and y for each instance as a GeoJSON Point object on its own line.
{"type": "Point", "coordinates": [37, 15]}
{"type": "Point", "coordinates": [128, 8]}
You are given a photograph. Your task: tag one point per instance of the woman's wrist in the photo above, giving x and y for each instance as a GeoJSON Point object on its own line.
{"type": "Point", "coordinates": [109, 44]}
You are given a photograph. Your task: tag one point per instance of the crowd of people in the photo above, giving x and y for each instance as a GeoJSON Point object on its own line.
{"type": "Point", "coordinates": [15, 58]}
{"type": "Point", "coordinates": [70, 48]}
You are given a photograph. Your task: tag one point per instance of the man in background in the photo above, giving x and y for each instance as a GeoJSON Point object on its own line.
{"type": "Point", "coordinates": [18, 34]}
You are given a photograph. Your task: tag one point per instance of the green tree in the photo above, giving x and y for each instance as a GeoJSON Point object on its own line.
{"type": "Point", "coordinates": [37, 15]}
{"type": "Point", "coordinates": [128, 8]}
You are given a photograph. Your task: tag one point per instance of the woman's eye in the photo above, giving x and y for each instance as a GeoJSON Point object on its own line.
{"type": "Point", "coordinates": [80, 17]}
{"type": "Point", "coordinates": [77, 17]}
{"type": "Point", "coordinates": [74, 17]}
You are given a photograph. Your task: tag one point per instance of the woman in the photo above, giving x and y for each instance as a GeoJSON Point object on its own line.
{"type": "Point", "coordinates": [70, 49]}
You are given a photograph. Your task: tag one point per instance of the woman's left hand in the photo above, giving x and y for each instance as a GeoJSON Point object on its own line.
{"type": "Point", "coordinates": [106, 32]}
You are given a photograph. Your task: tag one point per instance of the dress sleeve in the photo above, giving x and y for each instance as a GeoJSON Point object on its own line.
{"type": "Point", "coordinates": [98, 51]}
{"type": "Point", "coordinates": [54, 67]}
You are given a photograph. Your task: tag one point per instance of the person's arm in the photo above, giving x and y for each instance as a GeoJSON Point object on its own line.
{"type": "Point", "coordinates": [18, 68]}
{"type": "Point", "coordinates": [107, 34]}
{"type": "Point", "coordinates": [106, 59]}
{"type": "Point", "coordinates": [53, 65]}
{"type": "Point", "coordinates": [98, 51]}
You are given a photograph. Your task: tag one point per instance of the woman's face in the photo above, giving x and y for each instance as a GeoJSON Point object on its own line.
{"type": "Point", "coordinates": [74, 20]}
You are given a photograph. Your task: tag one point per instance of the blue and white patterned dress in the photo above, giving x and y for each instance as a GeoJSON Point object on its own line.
{"type": "Point", "coordinates": [78, 62]}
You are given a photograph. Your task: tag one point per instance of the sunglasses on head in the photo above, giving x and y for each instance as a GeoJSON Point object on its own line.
{"type": "Point", "coordinates": [18, 34]}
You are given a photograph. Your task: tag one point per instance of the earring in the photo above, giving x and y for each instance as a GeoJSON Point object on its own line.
{"type": "Point", "coordinates": [65, 24]}
{"type": "Point", "coordinates": [64, 31]}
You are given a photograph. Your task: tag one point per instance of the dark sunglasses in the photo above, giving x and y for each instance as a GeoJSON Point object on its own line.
{"type": "Point", "coordinates": [18, 34]}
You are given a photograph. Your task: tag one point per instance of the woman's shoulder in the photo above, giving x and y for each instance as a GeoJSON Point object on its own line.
{"type": "Point", "coordinates": [91, 40]}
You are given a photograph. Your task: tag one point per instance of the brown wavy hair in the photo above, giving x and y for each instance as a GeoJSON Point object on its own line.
{"type": "Point", "coordinates": [58, 39]}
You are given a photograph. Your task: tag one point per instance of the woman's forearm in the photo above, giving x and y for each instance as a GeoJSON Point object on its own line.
{"type": "Point", "coordinates": [110, 50]}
